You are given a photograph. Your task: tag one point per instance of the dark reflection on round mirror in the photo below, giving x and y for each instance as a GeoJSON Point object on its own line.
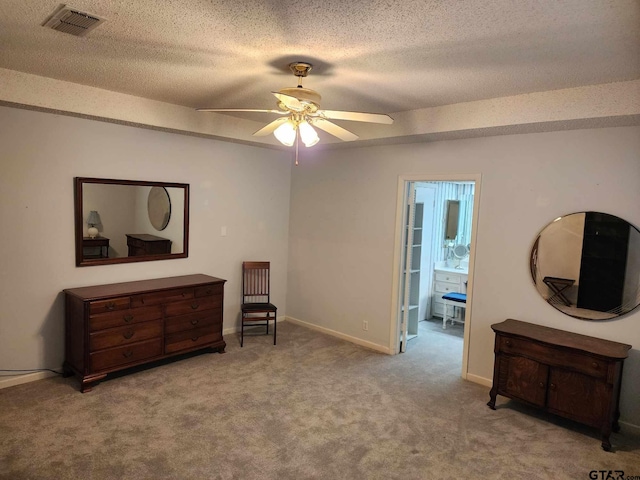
{"type": "Point", "coordinates": [587, 265]}
{"type": "Point", "coordinates": [159, 207]}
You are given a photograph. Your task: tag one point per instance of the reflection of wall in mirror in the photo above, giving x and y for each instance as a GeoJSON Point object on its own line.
{"type": "Point", "coordinates": [631, 293]}
{"type": "Point", "coordinates": [114, 204]}
{"type": "Point", "coordinates": [560, 253]}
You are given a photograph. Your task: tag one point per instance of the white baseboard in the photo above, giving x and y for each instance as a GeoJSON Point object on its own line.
{"type": "Point", "coordinates": [487, 382]}
{"type": "Point", "coordinates": [342, 336]}
{"type": "Point", "coordinates": [13, 380]}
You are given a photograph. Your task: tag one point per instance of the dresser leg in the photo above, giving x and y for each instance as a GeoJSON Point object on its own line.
{"type": "Point", "coordinates": [606, 444]}
{"type": "Point", "coordinates": [86, 384]}
{"type": "Point", "coordinates": [66, 371]}
{"type": "Point", "coordinates": [492, 399]}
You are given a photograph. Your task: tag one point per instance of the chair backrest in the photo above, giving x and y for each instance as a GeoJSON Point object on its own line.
{"type": "Point", "coordinates": [255, 282]}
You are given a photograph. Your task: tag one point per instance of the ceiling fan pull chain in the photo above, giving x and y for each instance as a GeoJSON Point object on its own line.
{"type": "Point", "coordinates": [297, 144]}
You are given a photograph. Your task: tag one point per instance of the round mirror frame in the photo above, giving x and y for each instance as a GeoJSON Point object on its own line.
{"type": "Point", "coordinates": [593, 270]}
{"type": "Point", "coordinates": [159, 207]}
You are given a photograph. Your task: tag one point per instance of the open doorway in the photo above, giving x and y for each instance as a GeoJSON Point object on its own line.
{"type": "Point", "coordinates": [435, 240]}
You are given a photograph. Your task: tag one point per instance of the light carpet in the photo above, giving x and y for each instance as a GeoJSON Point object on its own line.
{"type": "Point", "coordinates": [312, 407]}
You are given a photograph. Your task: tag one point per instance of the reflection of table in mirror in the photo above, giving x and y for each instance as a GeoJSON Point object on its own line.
{"type": "Point", "coordinates": [97, 247]}
{"type": "Point", "coordinates": [145, 244]}
{"type": "Point", "coordinates": [557, 286]}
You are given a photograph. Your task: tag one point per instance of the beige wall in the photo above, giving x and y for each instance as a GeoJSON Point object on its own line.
{"type": "Point", "coordinates": [343, 207]}
{"type": "Point", "coordinates": [243, 188]}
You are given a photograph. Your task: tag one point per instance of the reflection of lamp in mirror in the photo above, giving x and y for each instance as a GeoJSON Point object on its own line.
{"type": "Point", "coordinates": [92, 221]}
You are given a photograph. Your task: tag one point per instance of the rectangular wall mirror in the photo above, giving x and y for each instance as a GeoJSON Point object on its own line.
{"type": "Point", "coordinates": [123, 221]}
{"type": "Point", "coordinates": [451, 225]}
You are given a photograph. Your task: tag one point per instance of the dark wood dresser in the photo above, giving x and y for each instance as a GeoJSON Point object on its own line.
{"type": "Point", "coordinates": [570, 375]}
{"type": "Point", "coordinates": [117, 326]}
{"type": "Point", "coordinates": [145, 244]}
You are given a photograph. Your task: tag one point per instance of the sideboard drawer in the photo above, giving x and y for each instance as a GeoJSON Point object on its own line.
{"type": "Point", "coordinates": [121, 318]}
{"type": "Point", "coordinates": [103, 306]}
{"type": "Point", "coordinates": [114, 357]}
{"type": "Point", "coordinates": [114, 337]}
{"type": "Point", "coordinates": [190, 339]}
{"type": "Point", "coordinates": [554, 356]}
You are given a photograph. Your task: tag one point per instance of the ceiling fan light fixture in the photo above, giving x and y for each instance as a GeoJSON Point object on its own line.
{"type": "Point", "coordinates": [286, 133]}
{"type": "Point", "coordinates": [308, 134]}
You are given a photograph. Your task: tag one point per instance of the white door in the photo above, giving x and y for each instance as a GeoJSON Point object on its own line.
{"type": "Point", "coordinates": [407, 229]}
{"type": "Point", "coordinates": [426, 194]}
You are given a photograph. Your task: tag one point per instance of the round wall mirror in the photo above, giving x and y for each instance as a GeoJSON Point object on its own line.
{"type": "Point", "coordinates": [587, 265]}
{"type": "Point", "coordinates": [159, 207]}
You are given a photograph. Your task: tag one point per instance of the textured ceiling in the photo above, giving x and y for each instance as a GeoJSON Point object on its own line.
{"type": "Point", "coordinates": [381, 56]}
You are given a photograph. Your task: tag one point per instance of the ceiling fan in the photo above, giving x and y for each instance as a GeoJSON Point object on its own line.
{"type": "Point", "coordinates": [300, 110]}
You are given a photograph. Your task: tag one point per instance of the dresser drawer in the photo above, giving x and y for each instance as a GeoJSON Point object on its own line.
{"type": "Point", "coordinates": [193, 338]}
{"type": "Point", "coordinates": [135, 352]}
{"type": "Point", "coordinates": [194, 305]}
{"type": "Point", "coordinates": [442, 287]}
{"type": "Point", "coordinates": [121, 318]}
{"type": "Point", "coordinates": [114, 337]}
{"type": "Point", "coordinates": [102, 306]}
{"type": "Point", "coordinates": [579, 362]}
{"type": "Point", "coordinates": [447, 277]}
{"type": "Point", "coordinates": [193, 320]}
{"type": "Point", "coordinates": [161, 297]}
{"type": "Point", "coordinates": [209, 290]}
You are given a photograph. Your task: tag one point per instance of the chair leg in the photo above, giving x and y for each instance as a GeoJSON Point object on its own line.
{"type": "Point", "coordinates": [444, 317]}
{"type": "Point", "coordinates": [242, 332]}
{"type": "Point", "coordinates": [267, 323]}
{"type": "Point", "coordinates": [275, 325]}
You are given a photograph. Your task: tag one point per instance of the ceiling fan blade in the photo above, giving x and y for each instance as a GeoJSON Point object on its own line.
{"type": "Point", "coordinates": [279, 112]}
{"type": "Point", "coordinates": [290, 102]}
{"type": "Point", "coordinates": [334, 129]}
{"type": "Point", "coordinates": [356, 116]}
{"type": "Point", "coordinates": [270, 127]}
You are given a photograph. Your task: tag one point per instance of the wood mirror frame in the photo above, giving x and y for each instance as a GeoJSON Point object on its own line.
{"type": "Point", "coordinates": [181, 190]}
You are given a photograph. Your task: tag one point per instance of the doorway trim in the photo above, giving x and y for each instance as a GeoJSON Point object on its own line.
{"type": "Point", "coordinates": [403, 183]}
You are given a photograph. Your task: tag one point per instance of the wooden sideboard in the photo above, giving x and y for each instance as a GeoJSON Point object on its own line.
{"type": "Point", "coordinates": [570, 375]}
{"type": "Point", "coordinates": [117, 326]}
{"type": "Point", "coordinates": [145, 244]}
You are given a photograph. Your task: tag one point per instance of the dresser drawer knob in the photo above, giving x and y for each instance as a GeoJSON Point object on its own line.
{"type": "Point", "coordinates": [127, 354]}
{"type": "Point", "coordinates": [541, 384]}
{"type": "Point", "coordinates": [127, 318]}
{"type": "Point", "coordinates": [595, 365]}
{"type": "Point", "coordinates": [209, 291]}
{"type": "Point", "coordinates": [508, 343]}
{"type": "Point", "coordinates": [195, 305]}
{"type": "Point", "coordinates": [194, 339]}
{"type": "Point", "coordinates": [194, 322]}
{"type": "Point", "coordinates": [552, 386]}
{"type": "Point", "coordinates": [128, 334]}
{"type": "Point", "coordinates": [110, 305]}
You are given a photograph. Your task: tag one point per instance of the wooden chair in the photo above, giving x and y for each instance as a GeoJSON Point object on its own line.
{"type": "Point", "coordinates": [256, 300]}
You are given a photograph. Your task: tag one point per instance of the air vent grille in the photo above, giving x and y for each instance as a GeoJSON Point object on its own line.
{"type": "Point", "coordinates": [70, 20]}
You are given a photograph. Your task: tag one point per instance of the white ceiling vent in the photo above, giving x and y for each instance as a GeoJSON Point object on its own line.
{"type": "Point", "coordinates": [71, 20]}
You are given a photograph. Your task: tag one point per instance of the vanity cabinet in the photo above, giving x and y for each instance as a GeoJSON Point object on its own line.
{"type": "Point", "coordinates": [117, 326]}
{"type": "Point", "coordinates": [570, 375]}
{"type": "Point", "coordinates": [446, 280]}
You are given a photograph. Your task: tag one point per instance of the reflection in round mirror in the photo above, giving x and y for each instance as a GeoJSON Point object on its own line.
{"type": "Point", "coordinates": [587, 265]}
{"type": "Point", "coordinates": [460, 251]}
{"type": "Point", "coordinates": [159, 207]}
